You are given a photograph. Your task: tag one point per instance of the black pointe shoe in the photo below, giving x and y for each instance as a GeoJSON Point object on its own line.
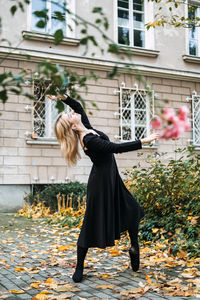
{"type": "Point", "coordinates": [78, 275]}
{"type": "Point", "coordinates": [135, 258]}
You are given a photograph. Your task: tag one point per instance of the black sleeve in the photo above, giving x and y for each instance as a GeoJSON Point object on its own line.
{"type": "Point", "coordinates": [95, 143]}
{"type": "Point", "coordinates": [77, 107]}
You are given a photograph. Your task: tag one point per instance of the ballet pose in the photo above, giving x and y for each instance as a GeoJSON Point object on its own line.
{"type": "Point", "coordinates": [110, 207]}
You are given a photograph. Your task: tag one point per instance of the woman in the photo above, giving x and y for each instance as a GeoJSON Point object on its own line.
{"type": "Point", "coordinates": [110, 207]}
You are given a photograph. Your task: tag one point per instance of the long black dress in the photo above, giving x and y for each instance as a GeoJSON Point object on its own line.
{"type": "Point", "coordinates": [110, 207]}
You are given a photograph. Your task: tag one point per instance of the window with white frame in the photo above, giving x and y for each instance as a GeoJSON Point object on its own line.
{"type": "Point", "coordinates": [195, 119]}
{"type": "Point", "coordinates": [136, 112]}
{"type": "Point", "coordinates": [44, 112]}
{"type": "Point", "coordinates": [53, 24]}
{"type": "Point", "coordinates": [193, 31]}
{"type": "Point", "coordinates": [132, 15]}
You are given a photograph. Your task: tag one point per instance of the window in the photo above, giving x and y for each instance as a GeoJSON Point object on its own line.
{"type": "Point", "coordinates": [195, 99]}
{"type": "Point", "coordinates": [44, 112]}
{"type": "Point", "coordinates": [132, 15]}
{"type": "Point", "coordinates": [194, 31]}
{"type": "Point", "coordinates": [136, 112]}
{"type": "Point", "coordinates": [52, 24]}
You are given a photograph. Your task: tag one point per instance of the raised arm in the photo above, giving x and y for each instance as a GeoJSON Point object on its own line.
{"type": "Point", "coordinates": [95, 143]}
{"type": "Point", "coordinates": [77, 107]}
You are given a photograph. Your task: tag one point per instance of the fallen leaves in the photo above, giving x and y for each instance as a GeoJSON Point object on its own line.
{"type": "Point", "coordinates": [105, 286]}
{"type": "Point", "coordinates": [134, 293]}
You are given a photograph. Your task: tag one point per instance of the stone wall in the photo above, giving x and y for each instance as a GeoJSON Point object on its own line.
{"type": "Point", "coordinates": [21, 162]}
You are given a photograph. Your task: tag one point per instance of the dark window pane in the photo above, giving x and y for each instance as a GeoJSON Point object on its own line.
{"type": "Point", "coordinates": [140, 132]}
{"type": "Point", "coordinates": [123, 3]}
{"type": "Point", "coordinates": [138, 38]}
{"type": "Point", "coordinates": [138, 5]}
{"type": "Point", "coordinates": [138, 20]}
{"type": "Point", "coordinates": [123, 36]}
{"type": "Point", "coordinates": [193, 47]}
{"type": "Point", "coordinates": [37, 5]}
{"type": "Point", "coordinates": [123, 18]}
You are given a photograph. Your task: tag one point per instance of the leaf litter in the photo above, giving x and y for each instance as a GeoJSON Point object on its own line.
{"type": "Point", "coordinates": [160, 272]}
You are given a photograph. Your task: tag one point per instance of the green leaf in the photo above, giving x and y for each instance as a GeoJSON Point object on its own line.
{"type": "Point", "coordinates": [3, 96]}
{"type": "Point", "coordinates": [13, 9]}
{"type": "Point", "coordinates": [59, 16]}
{"type": "Point", "coordinates": [113, 72]}
{"type": "Point", "coordinates": [2, 77]}
{"type": "Point", "coordinates": [41, 13]}
{"type": "Point", "coordinates": [84, 31]}
{"type": "Point", "coordinates": [97, 10]}
{"type": "Point", "coordinates": [58, 35]}
{"type": "Point", "coordinates": [41, 24]}
{"type": "Point", "coordinates": [21, 6]}
{"type": "Point", "coordinates": [84, 41]}
{"type": "Point", "coordinates": [113, 48]}
{"type": "Point", "coordinates": [60, 106]}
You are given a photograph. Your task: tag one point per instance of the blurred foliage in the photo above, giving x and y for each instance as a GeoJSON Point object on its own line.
{"type": "Point", "coordinates": [170, 196]}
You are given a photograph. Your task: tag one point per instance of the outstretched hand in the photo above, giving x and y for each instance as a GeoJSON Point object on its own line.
{"type": "Point", "coordinates": [150, 138]}
{"type": "Point", "coordinates": [55, 97]}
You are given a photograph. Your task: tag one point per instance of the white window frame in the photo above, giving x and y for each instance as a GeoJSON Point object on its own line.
{"type": "Point", "coordinates": [195, 103]}
{"type": "Point", "coordinates": [149, 39]}
{"type": "Point", "coordinates": [149, 110]}
{"type": "Point", "coordinates": [48, 121]}
{"type": "Point", "coordinates": [188, 30]}
{"type": "Point", "coordinates": [69, 33]}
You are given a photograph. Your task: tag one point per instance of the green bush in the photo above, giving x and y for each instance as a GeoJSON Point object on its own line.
{"type": "Point", "coordinates": [170, 196]}
{"type": "Point", "coordinates": [47, 193]}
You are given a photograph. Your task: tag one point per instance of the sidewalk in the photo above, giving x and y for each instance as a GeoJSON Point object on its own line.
{"type": "Point", "coordinates": [36, 257]}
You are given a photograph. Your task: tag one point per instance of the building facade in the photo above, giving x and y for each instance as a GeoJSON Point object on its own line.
{"type": "Point", "coordinates": [168, 58]}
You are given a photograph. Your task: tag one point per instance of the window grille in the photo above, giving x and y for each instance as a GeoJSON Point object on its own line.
{"type": "Point", "coordinates": [44, 112]}
{"type": "Point", "coordinates": [195, 100]}
{"type": "Point", "coordinates": [135, 113]}
{"type": "Point", "coordinates": [131, 19]}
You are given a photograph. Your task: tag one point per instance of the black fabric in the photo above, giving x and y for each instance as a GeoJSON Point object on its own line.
{"type": "Point", "coordinates": [110, 207]}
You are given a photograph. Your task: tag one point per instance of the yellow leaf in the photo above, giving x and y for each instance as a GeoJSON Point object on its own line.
{"type": "Point", "coordinates": [41, 296]}
{"type": "Point", "coordinates": [155, 230]}
{"type": "Point", "coordinates": [63, 248]}
{"type": "Point", "coordinates": [16, 292]}
{"type": "Point", "coordinates": [34, 285]}
{"type": "Point", "coordinates": [20, 269]}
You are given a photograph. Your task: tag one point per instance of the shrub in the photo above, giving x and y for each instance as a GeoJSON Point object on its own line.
{"type": "Point", "coordinates": [48, 194]}
{"type": "Point", "coordinates": [170, 196]}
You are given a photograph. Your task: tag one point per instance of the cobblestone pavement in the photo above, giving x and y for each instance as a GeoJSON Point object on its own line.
{"type": "Point", "coordinates": [29, 255]}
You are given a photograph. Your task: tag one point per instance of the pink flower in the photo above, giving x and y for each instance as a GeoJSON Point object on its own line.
{"type": "Point", "coordinates": [183, 112]}
{"type": "Point", "coordinates": [168, 114]}
{"type": "Point", "coordinates": [187, 125]}
{"type": "Point", "coordinates": [156, 123]}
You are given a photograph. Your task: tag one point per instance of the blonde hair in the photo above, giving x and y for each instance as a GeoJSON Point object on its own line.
{"type": "Point", "coordinates": [68, 140]}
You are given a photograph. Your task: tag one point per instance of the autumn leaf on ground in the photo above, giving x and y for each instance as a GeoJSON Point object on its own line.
{"type": "Point", "coordinates": [16, 292]}
{"type": "Point", "coordinates": [66, 288]}
{"type": "Point", "coordinates": [105, 286]}
{"type": "Point", "coordinates": [61, 297]}
{"type": "Point", "coordinates": [135, 293]}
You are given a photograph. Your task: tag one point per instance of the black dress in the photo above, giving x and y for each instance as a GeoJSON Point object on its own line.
{"type": "Point", "coordinates": [110, 207]}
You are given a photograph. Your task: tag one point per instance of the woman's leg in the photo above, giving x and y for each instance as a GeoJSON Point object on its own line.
{"type": "Point", "coordinates": [81, 253]}
{"type": "Point", "coordinates": [134, 251]}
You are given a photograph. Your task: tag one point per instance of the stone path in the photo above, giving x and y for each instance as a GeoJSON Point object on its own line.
{"type": "Point", "coordinates": [32, 252]}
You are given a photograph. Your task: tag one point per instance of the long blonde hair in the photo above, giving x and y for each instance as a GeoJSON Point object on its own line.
{"type": "Point", "coordinates": [68, 140]}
